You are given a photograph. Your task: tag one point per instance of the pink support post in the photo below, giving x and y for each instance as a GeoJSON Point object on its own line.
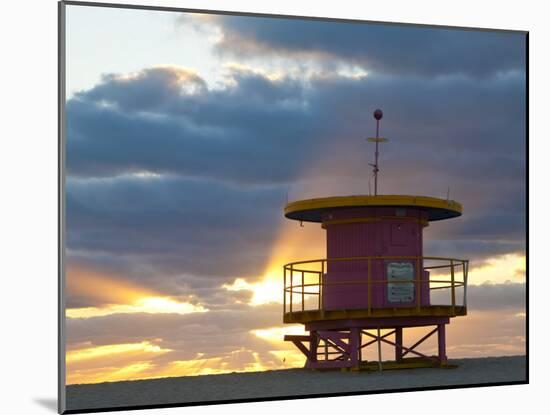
{"type": "Point", "coordinates": [313, 343]}
{"type": "Point", "coordinates": [399, 344]}
{"type": "Point", "coordinates": [354, 344]}
{"type": "Point", "coordinates": [441, 343]}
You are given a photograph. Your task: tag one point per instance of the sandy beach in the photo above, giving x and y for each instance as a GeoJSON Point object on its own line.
{"type": "Point", "coordinates": [288, 383]}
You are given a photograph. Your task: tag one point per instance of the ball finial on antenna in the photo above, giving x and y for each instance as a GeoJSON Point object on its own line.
{"type": "Point", "coordinates": [378, 114]}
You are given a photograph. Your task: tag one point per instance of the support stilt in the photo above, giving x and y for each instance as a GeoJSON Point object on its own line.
{"type": "Point", "coordinates": [441, 344]}
{"type": "Point", "coordinates": [398, 344]}
{"type": "Point", "coordinates": [379, 350]}
{"type": "Point", "coordinates": [313, 343]}
{"type": "Point", "coordinates": [354, 347]}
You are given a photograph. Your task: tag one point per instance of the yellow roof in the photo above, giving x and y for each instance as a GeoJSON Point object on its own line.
{"type": "Point", "coordinates": [310, 210]}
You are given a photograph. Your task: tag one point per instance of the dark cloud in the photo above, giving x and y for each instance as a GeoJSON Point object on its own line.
{"type": "Point", "coordinates": [234, 134]}
{"type": "Point", "coordinates": [171, 234]}
{"type": "Point", "coordinates": [243, 132]}
{"type": "Point", "coordinates": [157, 87]}
{"type": "Point", "coordinates": [477, 251]}
{"type": "Point", "coordinates": [382, 48]}
{"type": "Point", "coordinates": [160, 215]}
{"type": "Point", "coordinates": [497, 296]}
{"type": "Point", "coordinates": [487, 297]}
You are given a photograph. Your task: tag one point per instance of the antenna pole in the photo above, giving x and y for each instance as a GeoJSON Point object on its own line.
{"type": "Point", "coordinates": [377, 116]}
{"type": "Point", "coordinates": [376, 169]}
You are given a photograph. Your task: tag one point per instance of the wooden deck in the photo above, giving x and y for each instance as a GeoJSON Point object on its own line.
{"type": "Point", "coordinates": [309, 316]}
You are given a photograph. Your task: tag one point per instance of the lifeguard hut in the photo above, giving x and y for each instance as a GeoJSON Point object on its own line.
{"type": "Point", "coordinates": [374, 279]}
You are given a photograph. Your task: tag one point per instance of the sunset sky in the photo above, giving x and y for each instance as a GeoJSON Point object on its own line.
{"type": "Point", "coordinates": [187, 133]}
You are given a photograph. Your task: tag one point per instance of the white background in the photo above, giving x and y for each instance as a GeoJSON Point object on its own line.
{"type": "Point", "coordinates": [28, 203]}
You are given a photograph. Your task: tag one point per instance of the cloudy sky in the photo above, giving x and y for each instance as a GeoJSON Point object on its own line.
{"type": "Point", "coordinates": [187, 133]}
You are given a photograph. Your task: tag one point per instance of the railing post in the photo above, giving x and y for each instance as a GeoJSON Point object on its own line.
{"type": "Point", "coordinates": [322, 287]}
{"type": "Point", "coordinates": [418, 287]}
{"type": "Point", "coordinates": [369, 286]}
{"type": "Point", "coordinates": [284, 290]}
{"type": "Point", "coordinates": [453, 298]}
{"type": "Point", "coordinates": [291, 285]}
{"type": "Point", "coordinates": [303, 289]}
{"type": "Point", "coordinates": [465, 279]}
{"type": "Point", "coordinates": [320, 283]}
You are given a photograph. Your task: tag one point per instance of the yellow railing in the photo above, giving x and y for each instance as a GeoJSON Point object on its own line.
{"type": "Point", "coordinates": [303, 280]}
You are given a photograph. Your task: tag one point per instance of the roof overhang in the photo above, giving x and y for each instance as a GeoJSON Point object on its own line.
{"type": "Point", "coordinates": [312, 210]}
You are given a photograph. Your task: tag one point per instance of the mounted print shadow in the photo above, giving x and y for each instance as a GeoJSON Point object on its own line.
{"type": "Point", "coordinates": [266, 207]}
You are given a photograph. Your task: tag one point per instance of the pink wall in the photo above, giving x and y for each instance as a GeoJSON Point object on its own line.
{"type": "Point", "coordinates": [386, 232]}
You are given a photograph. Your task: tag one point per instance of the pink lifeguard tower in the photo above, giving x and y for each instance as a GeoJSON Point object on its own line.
{"type": "Point", "coordinates": [375, 278]}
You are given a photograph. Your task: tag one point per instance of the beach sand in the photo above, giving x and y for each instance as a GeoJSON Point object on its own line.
{"type": "Point", "coordinates": [288, 383]}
